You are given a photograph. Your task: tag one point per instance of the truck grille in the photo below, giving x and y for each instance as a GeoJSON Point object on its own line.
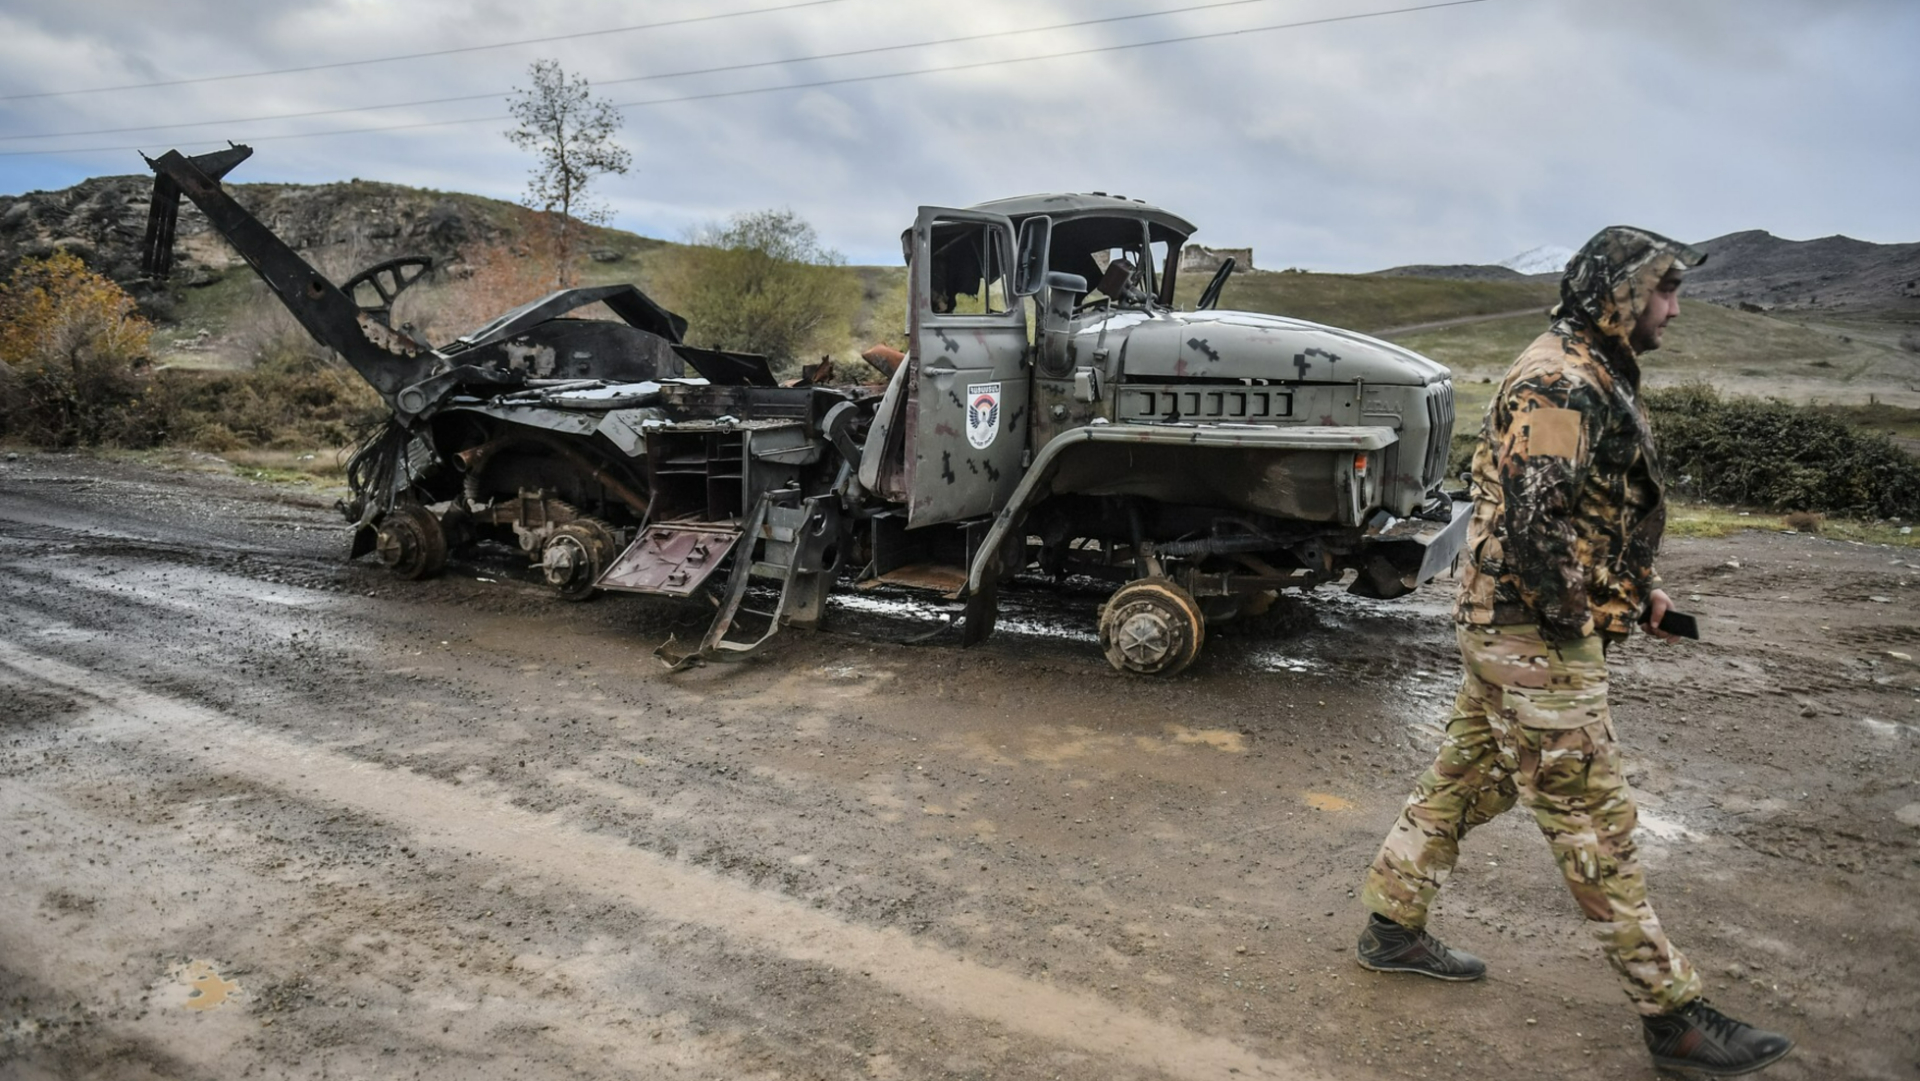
{"type": "Point", "coordinates": [1439, 430]}
{"type": "Point", "coordinates": [1167, 404]}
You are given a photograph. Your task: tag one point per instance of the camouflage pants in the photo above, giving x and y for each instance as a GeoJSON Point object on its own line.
{"type": "Point", "coordinates": [1531, 724]}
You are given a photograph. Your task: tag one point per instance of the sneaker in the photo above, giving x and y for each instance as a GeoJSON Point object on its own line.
{"type": "Point", "coordinates": [1699, 1038]}
{"type": "Point", "coordinates": [1386, 946]}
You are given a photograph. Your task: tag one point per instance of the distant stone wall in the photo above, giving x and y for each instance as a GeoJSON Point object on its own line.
{"type": "Point", "coordinates": [1200, 259]}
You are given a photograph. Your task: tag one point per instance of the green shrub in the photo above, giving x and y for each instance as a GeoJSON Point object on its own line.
{"type": "Point", "coordinates": [1762, 453]}
{"type": "Point", "coordinates": [762, 283]}
{"type": "Point", "coordinates": [1778, 456]}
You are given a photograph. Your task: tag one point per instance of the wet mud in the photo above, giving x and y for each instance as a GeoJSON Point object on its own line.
{"type": "Point", "coordinates": [266, 812]}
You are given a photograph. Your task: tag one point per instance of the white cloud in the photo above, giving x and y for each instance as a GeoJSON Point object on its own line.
{"type": "Point", "coordinates": [1462, 134]}
{"type": "Point", "coordinates": [827, 116]}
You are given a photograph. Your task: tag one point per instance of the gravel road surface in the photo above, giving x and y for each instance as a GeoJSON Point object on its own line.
{"type": "Point", "coordinates": [270, 813]}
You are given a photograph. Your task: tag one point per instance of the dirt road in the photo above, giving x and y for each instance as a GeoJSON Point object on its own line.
{"type": "Point", "coordinates": [269, 813]}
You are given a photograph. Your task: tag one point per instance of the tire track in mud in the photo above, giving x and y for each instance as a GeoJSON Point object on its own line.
{"type": "Point", "coordinates": [474, 819]}
{"type": "Point", "coordinates": [144, 515]}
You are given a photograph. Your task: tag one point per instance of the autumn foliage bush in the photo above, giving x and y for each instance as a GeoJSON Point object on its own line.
{"type": "Point", "coordinates": [77, 372]}
{"type": "Point", "coordinates": [76, 354]}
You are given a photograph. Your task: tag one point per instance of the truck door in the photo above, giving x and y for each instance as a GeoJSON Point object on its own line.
{"type": "Point", "coordinates": [967, 393]}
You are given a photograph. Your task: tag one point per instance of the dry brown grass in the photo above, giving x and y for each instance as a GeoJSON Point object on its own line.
{"type": "Point", "coordinates": [1804, 521]}
{"type": "Point", "coordinates": [493, 280]}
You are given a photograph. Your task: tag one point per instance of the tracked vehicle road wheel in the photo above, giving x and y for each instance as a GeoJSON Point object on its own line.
{"type": "Point", "coordinates": [411, 542]}
{"type": "Point", "coordinates": [574, 556]}
{"type": "Point", "coordinates": [1152, 627]}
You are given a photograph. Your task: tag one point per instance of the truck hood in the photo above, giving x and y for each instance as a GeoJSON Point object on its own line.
{"type": "Point", "coordinates": [1249, 345]}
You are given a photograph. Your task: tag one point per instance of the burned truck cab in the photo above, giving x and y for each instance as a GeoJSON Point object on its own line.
{"type": "Point", "coordinates": [1058, 410]}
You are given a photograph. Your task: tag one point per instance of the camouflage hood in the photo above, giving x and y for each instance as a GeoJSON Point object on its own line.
{"type": "Point", "coordinates": [1608, 281]}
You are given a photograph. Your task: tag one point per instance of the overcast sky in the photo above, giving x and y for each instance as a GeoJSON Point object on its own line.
{"type": "Point", "coordinates": [1459, 134]}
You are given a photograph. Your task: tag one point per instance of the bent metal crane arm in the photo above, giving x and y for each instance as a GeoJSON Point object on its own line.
{"type": "Point", "coordinates": [411, 377]}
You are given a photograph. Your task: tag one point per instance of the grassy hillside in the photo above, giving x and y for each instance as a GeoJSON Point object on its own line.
{"type": "Point", "coordinates": [1738, 352]}
{"type": "Point", "coordinates": [234, 322]}
{"type": "Point", "coordinates": [1856, 369]}
{"type": "Point", "coordinates": [1859, 370]}
{"type": "Point", "coordinates": [1368, 302]}
{"type": "Point", "coordinates": [264, 388]}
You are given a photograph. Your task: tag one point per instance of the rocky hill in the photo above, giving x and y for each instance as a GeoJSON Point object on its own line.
{"type": "Point", "coordinates": [1460, 272]}
{"type": "Point", "coordinates": [1834, 273]}
{"type": "Point", "coordinates": [343, 227]}
{"type": "Point", "coordinates": [340, 227]}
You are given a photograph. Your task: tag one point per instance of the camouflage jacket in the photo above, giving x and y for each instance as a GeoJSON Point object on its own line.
{"type": "Point", "coordinates": [1568, 511]}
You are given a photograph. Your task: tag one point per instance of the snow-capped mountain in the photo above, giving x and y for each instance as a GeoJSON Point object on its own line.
{"type": "Point", "coordinates": [1545, 259]}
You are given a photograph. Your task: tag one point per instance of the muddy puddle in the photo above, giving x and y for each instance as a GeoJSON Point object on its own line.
{"type": "Point", "coordinates": [199, 986]}
{"type": "Point", "coordinates": [1326, 632]}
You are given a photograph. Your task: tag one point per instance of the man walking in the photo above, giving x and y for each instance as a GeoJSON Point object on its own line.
{"type": "Point", "coordinates": [1567, 517]}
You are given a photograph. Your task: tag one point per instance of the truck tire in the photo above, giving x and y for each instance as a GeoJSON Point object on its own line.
{"type": "Point", "coordinates": [574, 557]}
{"type": "Point", "coordinates": [1151, 627]}
{"type": "Point", "coordinates": [411, 542]}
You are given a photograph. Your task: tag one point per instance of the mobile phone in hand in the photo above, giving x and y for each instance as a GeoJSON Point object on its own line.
{"type": "Point", "coordinates": [1680, 623]}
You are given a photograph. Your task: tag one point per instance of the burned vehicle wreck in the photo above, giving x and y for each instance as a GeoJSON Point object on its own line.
{"type": "Point", "coordinates": [1054, 415]}
{"type": "Point", "coordinates": [468, 450]}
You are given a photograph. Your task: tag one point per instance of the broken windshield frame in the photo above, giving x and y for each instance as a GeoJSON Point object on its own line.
{"type": "Point", "coordinates": [1142, 290]}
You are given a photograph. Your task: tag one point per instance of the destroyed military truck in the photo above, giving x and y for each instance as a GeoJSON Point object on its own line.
{"type": "Point", "coordinates": [1054, 415]}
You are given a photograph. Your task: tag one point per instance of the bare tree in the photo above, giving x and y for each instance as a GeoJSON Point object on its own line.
{"type": "Point", "coordinates": [571, 134]}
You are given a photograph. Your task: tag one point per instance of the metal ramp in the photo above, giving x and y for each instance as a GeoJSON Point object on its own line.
{"type": "Point", "coordinates": [784, 544]}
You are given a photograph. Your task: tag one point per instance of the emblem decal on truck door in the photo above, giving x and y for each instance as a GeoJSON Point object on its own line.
{"type": "Point", "coordinates": [983, 414]}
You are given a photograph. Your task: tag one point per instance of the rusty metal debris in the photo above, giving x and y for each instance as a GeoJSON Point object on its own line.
{"type": "Point", "coordinates": [1198, 460]}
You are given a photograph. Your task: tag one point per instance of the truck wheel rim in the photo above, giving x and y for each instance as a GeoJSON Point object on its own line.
{"type": "Point", "coordinates": [1151, 627]}
{"type": "Point", "coordinates": [399, 544]}
{"type": "Point", "coordinates": [563, 562]}
{"type": "Point", "coordinates": [1145, 637]}
{"type": "Point", "coordinates": [410, 542]}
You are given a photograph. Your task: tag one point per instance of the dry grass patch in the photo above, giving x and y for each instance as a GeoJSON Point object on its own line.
{"type": "Point", "coordinates": [1689, 519]}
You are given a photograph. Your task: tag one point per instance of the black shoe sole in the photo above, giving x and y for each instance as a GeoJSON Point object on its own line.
{"type": "Point", "coordinates": [1677, 1066]}
{"type": "Point", "coordinates": [1389, 966]}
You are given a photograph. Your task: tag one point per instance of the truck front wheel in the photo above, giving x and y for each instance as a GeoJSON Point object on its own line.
{"type": "Point", "coordinates": [411, 542]}
{"type": "Point", "coordinates": [574, 557]}
{"type": "Point", "coordinates": [1152, 627]}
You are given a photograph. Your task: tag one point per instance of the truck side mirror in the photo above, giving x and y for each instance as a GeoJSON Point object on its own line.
{"type": "Point", "coordinates": [1030, 265]}
{"type": "Point", "coordinates": [1063, 292]}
